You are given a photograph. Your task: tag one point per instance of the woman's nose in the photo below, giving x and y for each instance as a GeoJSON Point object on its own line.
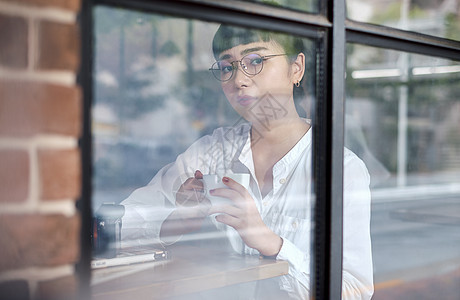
{"type": "Point", "coordinates": [240, 77]}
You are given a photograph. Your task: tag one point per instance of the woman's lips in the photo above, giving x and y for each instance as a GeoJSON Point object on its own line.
{"type": "Point", "coordinates": [246, 100]}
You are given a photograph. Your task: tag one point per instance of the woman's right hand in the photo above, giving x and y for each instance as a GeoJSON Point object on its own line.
{"type": "Point", "coordinates": [191, 209]}
{"type": "Point", "coordinates": [190, 200]}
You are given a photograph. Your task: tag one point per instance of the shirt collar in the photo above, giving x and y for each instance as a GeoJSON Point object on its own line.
{"type": "Point", "coordinates": [245, 156]}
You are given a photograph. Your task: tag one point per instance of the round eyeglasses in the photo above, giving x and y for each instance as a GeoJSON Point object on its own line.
{"type": "Point", "coordinates": [251, 64]}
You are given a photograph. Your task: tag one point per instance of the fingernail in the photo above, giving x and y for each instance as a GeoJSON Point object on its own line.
{"type": "Point", "coordinates": [211, 191]}
{"type": "Point", "coordinates": [225, 179]}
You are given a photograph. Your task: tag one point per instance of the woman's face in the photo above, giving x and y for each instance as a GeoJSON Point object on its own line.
{"type": "Point", "coordinates": [275, 81]}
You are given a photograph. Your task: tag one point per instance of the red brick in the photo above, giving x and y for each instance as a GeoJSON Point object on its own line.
{"type": "Point", "coordinates": [13, 45]}
{"type": "Point", "coordinates": [14, 176]}
{"type": "Point", "coordinates": [38, 240]}
{"type": "Point", "coordinates": [59, 174]}
{"type": "Point", "coordinates": [29, 108]}
{"type": "Point", "coordinates": [65, 288]}
{"type": "Point", "coordinates": [58, 46]}
{"type": "Point", "coordinates": [73, 5]}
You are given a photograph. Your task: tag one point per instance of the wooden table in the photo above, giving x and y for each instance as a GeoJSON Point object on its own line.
{"type": "Point", "coordinates": [189, 270]}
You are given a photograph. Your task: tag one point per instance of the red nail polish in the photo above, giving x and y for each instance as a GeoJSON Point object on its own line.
{"type": "Point", "coordinates": [225, 179]}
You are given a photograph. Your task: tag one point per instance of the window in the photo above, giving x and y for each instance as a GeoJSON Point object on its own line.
{"type": "Point", "coordinates": [307, 6]}
{"type": "Point", "coordinates": [173, 95]}
{"type": "Point", "coordinates": [152, 94]}
{"type": "Point", "coordinates": [402, 119]}
{"type": "Point", "coordinates": [437, 18]}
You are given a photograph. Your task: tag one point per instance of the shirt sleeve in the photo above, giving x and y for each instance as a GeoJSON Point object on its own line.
{"type": "Point", "coordinates": [297, 282]}
{"type": "Point", "coordinates": [357, 275]}
{"type": "Point", "coordinates": [148, 207]}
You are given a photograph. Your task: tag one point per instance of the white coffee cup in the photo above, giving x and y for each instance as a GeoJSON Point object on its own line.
{"type": "Point", "coordinates": [213, 181]}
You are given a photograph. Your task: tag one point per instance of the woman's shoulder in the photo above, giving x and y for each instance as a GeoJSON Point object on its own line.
{"type": "Point", "coordinates": [349, 157]}
{"type": "Point", "coordinates": [223, 135]}
{"type": "Point", "coordinates": [354, 167]}
{"type": "Point", "coordinates": [228, 134]}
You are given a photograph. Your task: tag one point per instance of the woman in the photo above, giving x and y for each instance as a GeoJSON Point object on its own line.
{"type": "Point", "coordinates": [258, 72]}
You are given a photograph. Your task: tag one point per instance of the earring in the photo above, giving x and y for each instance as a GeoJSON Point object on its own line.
{"type": "Point", "coordinates": [297, 84]}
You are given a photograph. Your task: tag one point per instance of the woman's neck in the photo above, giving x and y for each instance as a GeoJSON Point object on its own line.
{"type": "Point", "coordinates": [281, 131]}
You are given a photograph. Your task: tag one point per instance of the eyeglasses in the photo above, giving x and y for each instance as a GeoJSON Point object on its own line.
{"type": "Point", "coordinates": [251, 64]}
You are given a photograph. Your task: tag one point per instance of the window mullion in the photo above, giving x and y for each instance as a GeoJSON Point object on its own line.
{"type": "Point", "coordinates": [328, 164]}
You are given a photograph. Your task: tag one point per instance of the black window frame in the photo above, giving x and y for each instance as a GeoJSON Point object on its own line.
{"type": "Point", "coordinates": [333, 31]}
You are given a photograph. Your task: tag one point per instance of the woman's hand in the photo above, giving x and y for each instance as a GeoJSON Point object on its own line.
{"type": "Point", "coordinates": [243, 215]}
{"type": "Point", "coordinates": [190, 200]}
{"type": "Point", "coordinates": [191, 208]}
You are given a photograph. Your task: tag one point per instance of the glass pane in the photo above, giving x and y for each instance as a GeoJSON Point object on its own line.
{"type": "Point", "coordinates": [438, 18]}
{"type": "Point", "coordinates": [403, 120]}
{"type": "Point", "coordinates": [302, 5]}
{"type": "Point", "coordinates": [164, 108]}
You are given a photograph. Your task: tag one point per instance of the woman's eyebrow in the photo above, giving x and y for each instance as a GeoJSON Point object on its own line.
{"type": "Point", "coordinates": [226, 56]}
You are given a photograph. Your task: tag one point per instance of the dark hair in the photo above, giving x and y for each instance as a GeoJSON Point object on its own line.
{"type": "Point", "coordinates": [228, 37]}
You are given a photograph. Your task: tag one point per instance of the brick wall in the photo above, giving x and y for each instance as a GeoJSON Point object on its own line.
{"type": "Point", "coordinates": [40, 123]}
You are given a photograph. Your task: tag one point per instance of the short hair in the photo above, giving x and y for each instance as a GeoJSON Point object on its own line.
{"type": "Point", "coordinates": [228, 37]}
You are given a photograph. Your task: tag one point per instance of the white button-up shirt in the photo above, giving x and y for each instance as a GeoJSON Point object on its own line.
{"type": "Point", "coordinates": [286, 210]}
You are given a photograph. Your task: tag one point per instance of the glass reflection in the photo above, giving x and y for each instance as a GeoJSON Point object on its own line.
{"type": "Point", "coordinates": [402, 119]}
{"type": "Point", "coordinates": [228, 210]}
{"type": "Point", "coordinates": [266, 212]}
{"type": "Point", "coordinates": [438, 18]}
{"type": "Point", "coordinates": [158, 110]}
{"type": "Point", "coordinates": [303, 5]}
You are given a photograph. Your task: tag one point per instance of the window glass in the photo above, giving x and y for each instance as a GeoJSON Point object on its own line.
{"type": "Point", "coordinates": [173, 96]}
{"type": "Point", "coordinates": [438, 18]}
{"type": "Point", "coordinates": [402, 121]}
{"type": "Point", "coordinates": [302, 5]}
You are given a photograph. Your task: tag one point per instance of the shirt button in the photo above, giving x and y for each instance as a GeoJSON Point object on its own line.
{"type": "Point", "coordinates": [283, 180]}
{"type": "Point", "coordinates": [265, 203]}
{"type": "Point", "coordinates": [294, 224]}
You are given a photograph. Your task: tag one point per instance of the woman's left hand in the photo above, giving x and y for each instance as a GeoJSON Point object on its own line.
{"type": "Point", "coordinates": [243, 215]}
